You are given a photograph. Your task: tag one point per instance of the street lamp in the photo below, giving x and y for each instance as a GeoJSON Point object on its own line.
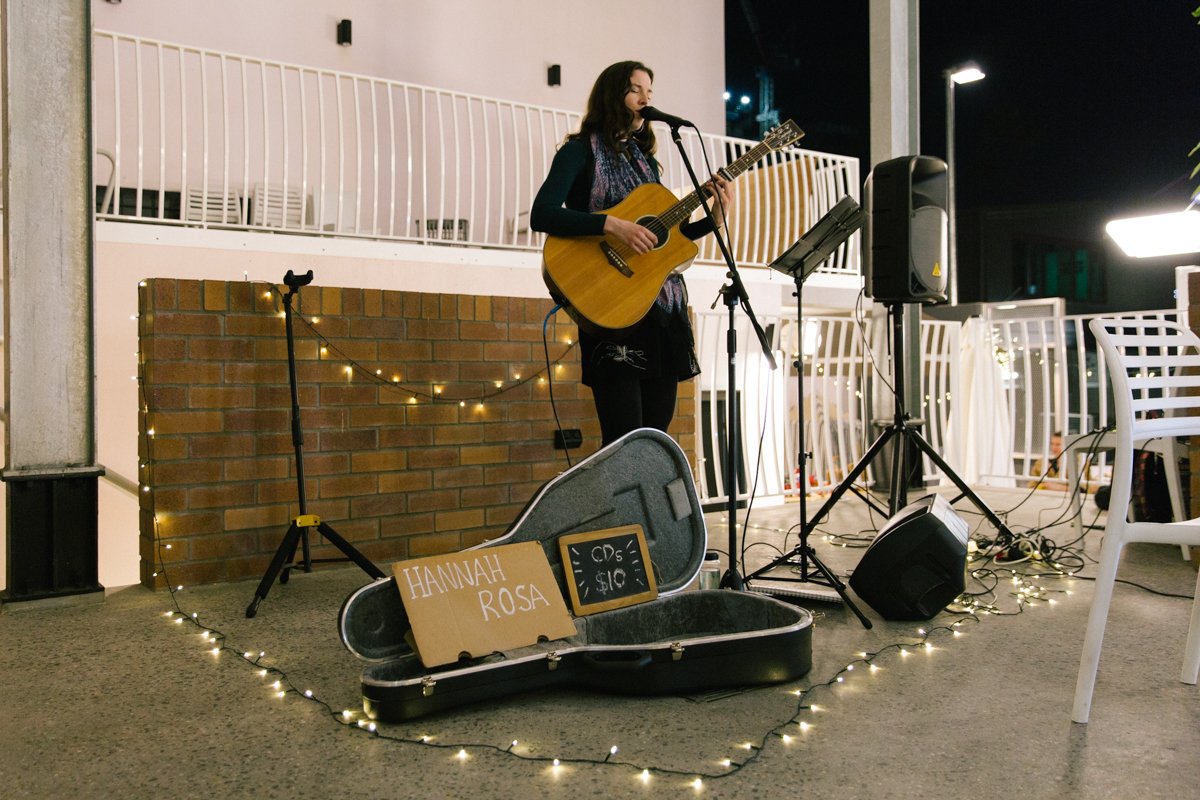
{"type": "Point", "coordinates": [963, 73]}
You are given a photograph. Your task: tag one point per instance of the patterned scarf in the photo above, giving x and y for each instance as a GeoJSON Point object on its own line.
{"type": "Point", "coordinates": [616, 175]}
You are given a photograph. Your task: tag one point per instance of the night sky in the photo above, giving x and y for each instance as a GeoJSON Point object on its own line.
{"type": "Point", "coordinates": [1083, 101]}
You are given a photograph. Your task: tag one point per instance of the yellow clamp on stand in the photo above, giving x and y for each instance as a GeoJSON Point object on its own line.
{"type": "Point", "coordinates": [307, 521]}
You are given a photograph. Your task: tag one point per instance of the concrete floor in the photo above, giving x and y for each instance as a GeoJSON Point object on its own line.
{"type": "Point", "coordinates": [114, 698]}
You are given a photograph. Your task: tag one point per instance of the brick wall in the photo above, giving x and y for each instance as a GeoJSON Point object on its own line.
{"type": "Point", "coordinates": [400, 457]}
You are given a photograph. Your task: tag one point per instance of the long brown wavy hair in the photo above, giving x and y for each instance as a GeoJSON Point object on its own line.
{"type": "Point", "coordinates": [606, 112]}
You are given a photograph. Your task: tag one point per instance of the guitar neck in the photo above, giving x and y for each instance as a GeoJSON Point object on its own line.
{"type": "Point", "coordinates": [680, 212]}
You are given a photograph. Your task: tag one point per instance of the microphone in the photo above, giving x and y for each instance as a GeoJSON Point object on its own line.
{"type": "Point", "coordinates": [652, 114]}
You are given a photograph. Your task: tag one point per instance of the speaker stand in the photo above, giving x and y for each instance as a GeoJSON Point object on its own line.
{"type": "Point", "coordinates": [901, 434]}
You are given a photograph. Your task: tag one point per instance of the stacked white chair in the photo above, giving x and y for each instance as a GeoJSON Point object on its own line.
{"type": "Point", "coordinates": [213, 206]}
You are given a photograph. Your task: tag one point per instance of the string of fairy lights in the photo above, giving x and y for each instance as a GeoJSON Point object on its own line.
{"type": "Point", "coordinates": [1026, 590]}
{"type": "Point", "coordinates": [995, 583]}
{"type": "Point", "coordinates": [800, 722]}
{"type": "Point", "coordinates": [438, 392]}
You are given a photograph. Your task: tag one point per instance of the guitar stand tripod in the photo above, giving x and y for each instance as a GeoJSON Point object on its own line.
{"type": "Point", "coordinates": [297, 532]}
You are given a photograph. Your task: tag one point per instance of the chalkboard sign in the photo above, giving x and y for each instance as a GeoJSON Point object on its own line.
{"type": "Point", "coordinates": [607, 569]}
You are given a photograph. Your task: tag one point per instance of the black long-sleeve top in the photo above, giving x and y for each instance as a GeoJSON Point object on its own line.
{"type": "Point", "coordinates": [561, 205]}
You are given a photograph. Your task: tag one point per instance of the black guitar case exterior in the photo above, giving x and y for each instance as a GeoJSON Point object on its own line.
{"type": "Point", "coordinates": [682, 642]}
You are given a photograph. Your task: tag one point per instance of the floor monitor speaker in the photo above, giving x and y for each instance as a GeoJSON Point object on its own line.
{"type": "Point", "coordinates": [916, 565]}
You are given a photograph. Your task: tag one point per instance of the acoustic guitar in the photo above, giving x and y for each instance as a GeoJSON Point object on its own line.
{"type": "Point", "coordinates": [606, 286]}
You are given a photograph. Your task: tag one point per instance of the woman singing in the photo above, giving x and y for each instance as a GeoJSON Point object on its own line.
{"type": "Point", "coordinates": [633, 376]}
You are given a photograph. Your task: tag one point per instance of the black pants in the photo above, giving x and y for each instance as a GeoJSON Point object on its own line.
{"type": "Point", "coordinates": [626, 404]}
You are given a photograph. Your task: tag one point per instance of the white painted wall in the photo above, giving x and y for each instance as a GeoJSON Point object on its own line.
{"type": "Point", "coordinates": [488, 47]}
{"type": "Point", "coordinates": [496, 48]}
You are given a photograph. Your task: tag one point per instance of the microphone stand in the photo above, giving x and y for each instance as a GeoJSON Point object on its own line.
{"type": "Point", "coordinates": [734, 293]}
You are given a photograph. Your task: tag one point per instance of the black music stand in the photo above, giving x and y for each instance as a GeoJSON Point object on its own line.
{"type": "Point", "coordinates": [799, 261]}
{"type": "Point", "coordinates": [297, 533]}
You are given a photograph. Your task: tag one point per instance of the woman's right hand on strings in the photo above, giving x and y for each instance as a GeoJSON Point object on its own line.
{"type": "Point", "coordinates": [637, 238]}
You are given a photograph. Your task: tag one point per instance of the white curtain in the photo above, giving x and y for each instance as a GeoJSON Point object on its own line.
{"type": "Point", "coordinates": [979, 433]}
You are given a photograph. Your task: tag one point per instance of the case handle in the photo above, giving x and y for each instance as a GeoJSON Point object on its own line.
{"type": "Point", "coordinates": [618, 661]}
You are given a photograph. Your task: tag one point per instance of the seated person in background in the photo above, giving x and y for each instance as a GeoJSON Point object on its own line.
{"type": "Point", "coordinates": [1046, 474]}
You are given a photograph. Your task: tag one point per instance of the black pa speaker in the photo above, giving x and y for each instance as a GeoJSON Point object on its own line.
{"type": "Point", "coordinates": [915, 567]}
{"type": "Point", "coordinates": [905, 257]}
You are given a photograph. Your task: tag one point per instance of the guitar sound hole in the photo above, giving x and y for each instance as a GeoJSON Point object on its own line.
{"type": "Point", "coordinates": [652, 223]}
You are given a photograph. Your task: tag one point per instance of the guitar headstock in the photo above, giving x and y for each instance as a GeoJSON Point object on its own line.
{"type": "Point", "coordinates": [783, 135]}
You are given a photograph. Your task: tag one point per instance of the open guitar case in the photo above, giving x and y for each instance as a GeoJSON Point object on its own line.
{"type": "Point", "coordinates": [681, 642]}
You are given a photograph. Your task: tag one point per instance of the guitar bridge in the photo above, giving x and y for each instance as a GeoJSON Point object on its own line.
{"type": "Point", "coordinates": [614, 258]}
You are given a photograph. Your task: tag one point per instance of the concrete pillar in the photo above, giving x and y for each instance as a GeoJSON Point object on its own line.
{"type": "Point", "coordinates": [896, 131]}
{"type": "Point", "coordinates": [50, 471]}
{"type": "Point", "coordinates": [895, 73]}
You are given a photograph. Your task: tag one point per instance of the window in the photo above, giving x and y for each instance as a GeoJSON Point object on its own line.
{"type": "Point", "coordinates": [1071, 270]}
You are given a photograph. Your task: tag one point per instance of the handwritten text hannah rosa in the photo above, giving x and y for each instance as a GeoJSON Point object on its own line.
{"type": "Point", "coordinates": [485, 574]}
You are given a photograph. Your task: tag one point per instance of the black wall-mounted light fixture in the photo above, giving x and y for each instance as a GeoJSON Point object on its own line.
{"type": "Point", "coordinates": [554, 75]}
{"type": "Point", "coordinates": [343, 33]}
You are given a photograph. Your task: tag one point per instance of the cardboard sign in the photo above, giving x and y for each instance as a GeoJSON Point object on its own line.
{"type": "Point", "coordinates": [477, 602]}
{"type": "Point", "coordinates": [607, 569]}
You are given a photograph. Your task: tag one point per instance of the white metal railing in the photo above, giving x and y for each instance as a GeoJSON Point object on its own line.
{"type": "Point", "coordinates": [202, 138]}
{"type": "Point", "coordinates": [1055, 380]}
{"type": "Point", "coordinates": [1052, 377]}
{"type": "Point", "coordinates": [211, 139]}
{"type": "Point", "coordinates": [840, 357]}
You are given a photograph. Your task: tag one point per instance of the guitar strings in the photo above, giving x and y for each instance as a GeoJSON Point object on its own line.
{"type": "Point", "coordinates": [678, 213]}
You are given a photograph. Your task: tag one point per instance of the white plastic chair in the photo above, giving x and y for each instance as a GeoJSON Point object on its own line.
{"type": "Point", "coordinates": [213, 206]}
{"type": "Point", "coordinates": [274, 206]}
{"type": "Point", "coordinates": [1154, 368]}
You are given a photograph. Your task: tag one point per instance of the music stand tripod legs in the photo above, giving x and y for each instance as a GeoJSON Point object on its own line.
{"type": "Point", "coordinates": [804, 551]}
{"type": "Point", "coordinates": [799, 261]}
{"type": "Point", "coordinates": [297, 532]}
